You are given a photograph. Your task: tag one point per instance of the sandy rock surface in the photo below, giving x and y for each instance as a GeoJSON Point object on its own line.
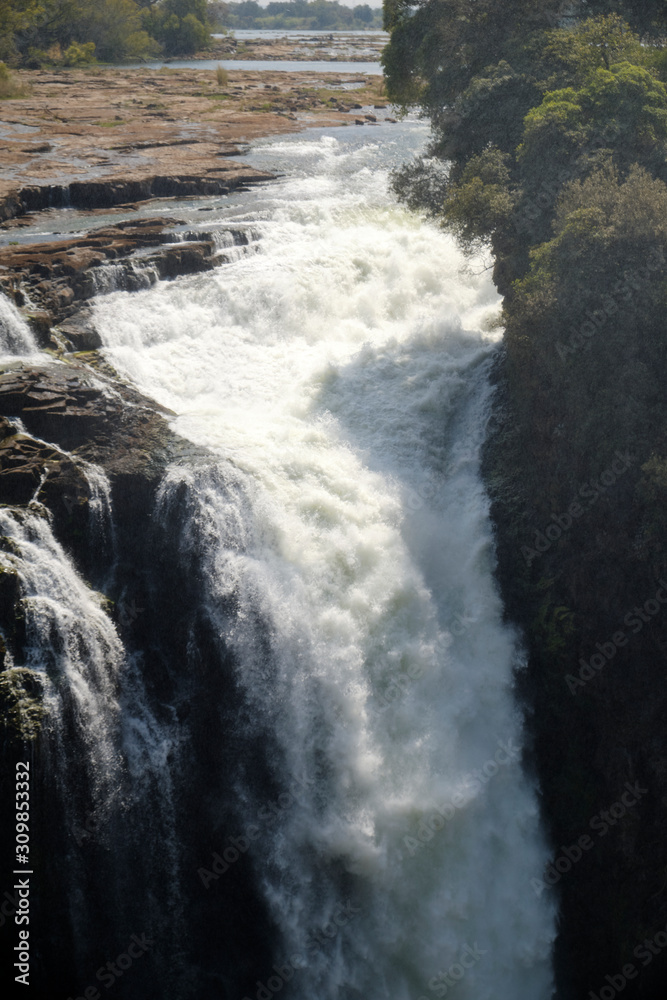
{"type": "Point", "coordinates": [135, 125]}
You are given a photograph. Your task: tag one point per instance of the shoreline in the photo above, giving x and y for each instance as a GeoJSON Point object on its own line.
{"type": "Point", "coordinates": [98, 128]}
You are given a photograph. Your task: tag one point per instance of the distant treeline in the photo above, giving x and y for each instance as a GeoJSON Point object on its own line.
{"type": "Point", "coordinates": [298, 14]}
{"type": "Point", "coordinates": [73, 32]}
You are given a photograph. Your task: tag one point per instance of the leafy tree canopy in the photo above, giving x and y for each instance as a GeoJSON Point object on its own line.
{"type": "Point", "coordinates": [36, 31]}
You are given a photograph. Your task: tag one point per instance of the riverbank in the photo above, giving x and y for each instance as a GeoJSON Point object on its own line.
{"type": "Point", "coordinates": [347, 46]}
{"type": "Point", "coordinates": [130, 126]}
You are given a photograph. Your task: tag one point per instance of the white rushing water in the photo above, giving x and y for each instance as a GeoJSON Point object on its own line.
{"type": "Point", "coordinates": [107, 756]}
{"type": "Point", "coordinates": [16, 337]}
{"type": "Point", "coordinates": [340, 377]}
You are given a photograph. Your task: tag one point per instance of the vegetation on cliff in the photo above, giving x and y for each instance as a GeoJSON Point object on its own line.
{"type": "Point", "coordinates": [550, 149]}
{"type": "Point", "coordinates": [73, 32]}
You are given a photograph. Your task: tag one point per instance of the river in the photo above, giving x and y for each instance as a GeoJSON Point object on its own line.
{"type": "Point", "coordinates": [337, 371]}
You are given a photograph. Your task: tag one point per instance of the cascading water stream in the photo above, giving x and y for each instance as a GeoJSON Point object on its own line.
{"type": "Point", "coordinates": [339, 379]}
{"type": "Point", "coordinates": [15, 335]}
{"type": "Point", "coordinates": [108, 764]}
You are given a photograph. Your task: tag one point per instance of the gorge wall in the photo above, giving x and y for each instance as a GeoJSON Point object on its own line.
{"type": "Point", "coordinates": [554, 132]}
{"type": "Point", "coordinates": [108, 698]}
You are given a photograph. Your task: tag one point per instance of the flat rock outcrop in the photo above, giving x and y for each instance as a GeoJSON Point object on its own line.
{"type": "Point", "coordinates": [57, 276]}
{"type": "Point", "coordinates": [102, 137]}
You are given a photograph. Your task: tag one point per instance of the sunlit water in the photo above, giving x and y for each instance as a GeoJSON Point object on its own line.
{"type": "Point", "coordinates": [340, 379]}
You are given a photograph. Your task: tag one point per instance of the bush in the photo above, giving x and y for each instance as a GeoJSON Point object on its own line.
{"type": "Point", "coordinates": [480, 202]}
{"type": "Point", "coordinates": [80, 54]}
{"type": "Point", "coordinates": [10, 86]}
{"type": "Point", "coordinates": [221, 76]}
{"type": "Point", "coordinates": [140, 45]}
{"type": "Point", "coordinates": [193, 35]}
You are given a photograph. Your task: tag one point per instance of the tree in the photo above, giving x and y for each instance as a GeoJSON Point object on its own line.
{"type": "Point", "coordinates": [15, 16]}
{"type": "Point", "coordinates": [648, 17]}
{"type": "Point", "coordinates": [438, 46]}
{"type": "Point", "coordinates": [181, 26]}
{"type": "Point", "coordinates": [363, 13]}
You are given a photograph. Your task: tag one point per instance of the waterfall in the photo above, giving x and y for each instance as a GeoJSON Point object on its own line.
{"type": "Point", "coordinates": [341, 545]}
{"type": "Point", "coordinates": [16, 337]}
{"type": "Point", "coordinates": [103, 764]}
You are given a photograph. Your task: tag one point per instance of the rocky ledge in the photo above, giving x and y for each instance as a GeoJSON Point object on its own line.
{"type": "Point", "coordinates": [69, 429]}
{"type": "Point", "coordinates": [219, 179]}
{"type": "Point", "coordinates": [73, 416]}
{"type": "Point", "coordinates": [57, 277]}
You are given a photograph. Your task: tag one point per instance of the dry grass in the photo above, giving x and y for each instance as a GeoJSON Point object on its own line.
{"type": "Point", "coordinates": [10, 87]}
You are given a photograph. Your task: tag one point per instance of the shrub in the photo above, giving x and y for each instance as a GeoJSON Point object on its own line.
{"type": "Point", "coordinates": [10, 87]}
{"type": "Point", "coordinates": [78, 54]}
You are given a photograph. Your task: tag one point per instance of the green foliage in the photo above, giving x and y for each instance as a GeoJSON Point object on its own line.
{"type": "Point", "coordinates": [79, 55]}
{"type": "Point", "coordinates": [34, 32]}
{"type": "Point", "coordinates": [437, 47]}
{"type": "Point", "coordinates": [15, 16]}
{"type": "Point", "coordinates": [648, 17]}
{"type": "Point", "coordinates": [622, 110]}
{"type": "Point", "coordinates": [21, 706]}
{"type": "Point", "coordinates": [572, 55]}
{"type": "Point", "coordinates": [480, 202]}
{"type": "Point", "coordinates": [554, 104]}
{"type": "Point", "coordinates": [489, 111]}
{"type": "Point", "coordinates": [595, 294]}
{"type": "Point", "coordinates": [181, 26]}
{"type": "Point", "coordinates": [294, 14]}
{"type": "Point", "coordinates": [221, 76]}
{"type": "Point", "coordinates": [140, 45]}
{"type": "Point", "coordinates": [422, 185]}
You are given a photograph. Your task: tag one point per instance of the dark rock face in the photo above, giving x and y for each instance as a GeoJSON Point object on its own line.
{"type": "Point", "coordinates": [86, 411]}
{"type": "Point", "coordinates": [86, 416]}
{"type": "Point", "coordinates": [585, 583]}
{"type": "Point", "coordinates": [75, 414]}
{"type": "Point", "coordinates": [121, 191]}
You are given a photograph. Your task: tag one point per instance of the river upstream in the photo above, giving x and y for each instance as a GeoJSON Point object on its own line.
{"type": "Point", "coordinates": [336, 370]}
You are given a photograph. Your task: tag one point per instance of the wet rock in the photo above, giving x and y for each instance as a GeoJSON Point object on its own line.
{"type": "Point", "coordinates": [76, 416]}
{"type": "Point", "coordinates": [80, 332]}
{"type": "Point", "coordinates": [57, 275]}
